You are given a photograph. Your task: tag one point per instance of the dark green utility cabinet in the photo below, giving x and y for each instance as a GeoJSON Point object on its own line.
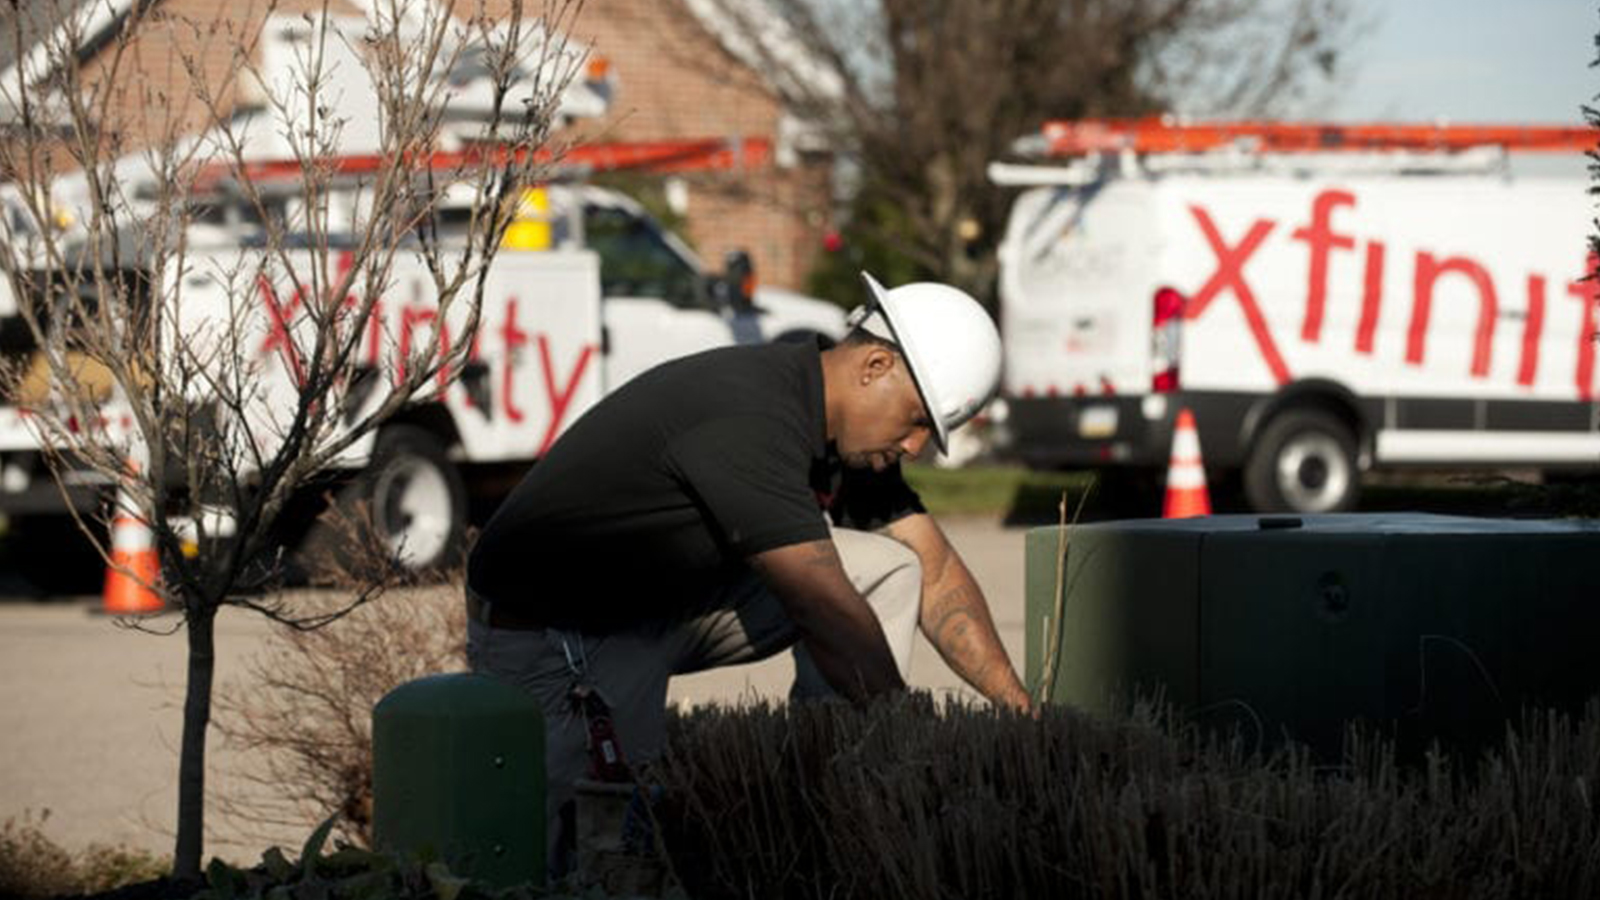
{"type": "Point", "coordinates": [458, 775]}
{"type": "Point", "coordinates": [1433, 627]}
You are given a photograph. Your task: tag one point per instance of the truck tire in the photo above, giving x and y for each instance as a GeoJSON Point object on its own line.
{"type": "Point", "coordinates": [50, 556]}
{"type": "Point", "coordinates": [1303, 461]}
{"type": "Point", "coordinates": [417, 499]}
{"type": "Point", "coordinates": [409, 506]}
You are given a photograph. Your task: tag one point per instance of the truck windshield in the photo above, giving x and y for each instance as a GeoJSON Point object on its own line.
{"type": "Point", "coordinates": [636, 262]}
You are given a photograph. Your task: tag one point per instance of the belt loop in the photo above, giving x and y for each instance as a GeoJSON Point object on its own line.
{"type": "Point", "coordinates": [579, 664]}
{"type": "Point", "coordinates": [477, 607]}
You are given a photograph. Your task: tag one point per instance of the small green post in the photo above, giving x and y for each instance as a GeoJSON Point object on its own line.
{"type": "Point", "coordinates": [458, 775]}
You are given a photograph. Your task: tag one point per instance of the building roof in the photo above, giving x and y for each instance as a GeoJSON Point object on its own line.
{"type": "Point", "coordinates": [25, 29]}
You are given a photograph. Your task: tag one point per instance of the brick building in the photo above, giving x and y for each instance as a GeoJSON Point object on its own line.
{"type": "Point", "coordinates": [670, 78]}
{"type": "Point", "coordinates": [673, 78]}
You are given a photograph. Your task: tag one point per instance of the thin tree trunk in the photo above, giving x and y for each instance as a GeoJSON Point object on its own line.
{"type": "Point", "coordinates": [192, 758]}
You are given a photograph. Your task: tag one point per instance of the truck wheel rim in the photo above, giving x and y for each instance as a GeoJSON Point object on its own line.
{"type": "Point", "coordinates": [413, 505]}
{"type": "Point", "coordinates": [1313, 474]}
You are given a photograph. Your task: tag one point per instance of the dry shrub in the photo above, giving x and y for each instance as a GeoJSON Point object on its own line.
{"type": "Point", "coordinates": [32, 865]}
{"type": "Point", "coordinates": [303, 710]}
{"type": "Point", "coordinates": [906, 800]}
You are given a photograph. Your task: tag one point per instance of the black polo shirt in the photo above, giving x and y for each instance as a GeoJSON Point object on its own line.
{"type": "Point", "coordinates": [664, 488]}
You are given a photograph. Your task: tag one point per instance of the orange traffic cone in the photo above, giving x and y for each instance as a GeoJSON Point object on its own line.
{"type": "Point", "coordinates": [135, 564]}
{"type": "Point", "coordinates": [1186, 477]}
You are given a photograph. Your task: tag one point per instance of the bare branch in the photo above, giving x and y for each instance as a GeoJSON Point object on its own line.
{"type": "Point", "coordinates": [921, 95]}
{"type": "Point", "coordinates": [210, 286]}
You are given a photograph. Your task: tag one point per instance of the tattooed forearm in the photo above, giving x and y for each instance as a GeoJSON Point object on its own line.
{"type": "Point", "coordinates": [959, 640]}
{"type": "Point", "coordinates": [959, 627]}
{"type": "Point", "coordinates": [955, 616]}
{"type": "Point", "coordinates": [845, 638]}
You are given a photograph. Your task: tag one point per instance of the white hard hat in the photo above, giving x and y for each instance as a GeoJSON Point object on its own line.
{"type": "Point", "coordinates": [948, 341]}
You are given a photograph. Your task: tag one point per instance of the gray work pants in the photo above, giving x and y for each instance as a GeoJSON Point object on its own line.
{"type": "Point", "coordinates": [743, 623]}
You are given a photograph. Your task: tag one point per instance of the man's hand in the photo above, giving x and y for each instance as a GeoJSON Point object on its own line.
{"type": "Point", "coordinates": [837, 625]}
{"type": "Point", "coordinates": [955, 616]}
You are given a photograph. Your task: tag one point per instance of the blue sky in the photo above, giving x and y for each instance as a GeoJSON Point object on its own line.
{"type": "Point", "coordinates": [1471, 61]}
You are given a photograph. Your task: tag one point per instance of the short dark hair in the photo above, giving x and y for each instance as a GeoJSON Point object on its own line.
{"type": "Point", "coordinates": [860, 337]}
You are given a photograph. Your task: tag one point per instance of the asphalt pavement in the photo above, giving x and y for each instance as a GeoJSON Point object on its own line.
{"type": "Point", "coordinates": [90, 712]}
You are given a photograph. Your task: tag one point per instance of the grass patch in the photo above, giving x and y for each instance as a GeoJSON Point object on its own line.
{"type": "Point", "coordinates": [1481, 493]}
{"type": "Point", "coordinates": [1012, 491]}
{"type": "Point", "coordinates": [1023, 496]}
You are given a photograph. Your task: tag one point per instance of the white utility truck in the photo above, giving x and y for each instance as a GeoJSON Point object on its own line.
{"type": "Point", "coordinates": [588, 291]}
{"type": "Point", "coordinates": [1325, 298]}
{"type": "Point", "coordinates": [612, 294]}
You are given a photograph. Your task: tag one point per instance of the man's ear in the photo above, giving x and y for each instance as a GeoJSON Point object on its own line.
{"type": "Point", "coordinates": [878, 362]}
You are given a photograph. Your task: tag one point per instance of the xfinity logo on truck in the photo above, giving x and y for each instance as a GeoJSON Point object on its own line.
{"type": "Point", "coordinates": [395, 327]}
{"type": "Point", "coordinates": [1429, 267]}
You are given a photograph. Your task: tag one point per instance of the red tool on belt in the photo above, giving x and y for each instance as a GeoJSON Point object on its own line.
{"type": "Point", "coordinates": [606, 762]}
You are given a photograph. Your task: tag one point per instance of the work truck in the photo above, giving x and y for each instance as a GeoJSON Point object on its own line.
{"type": "Point", "coordinates": [588, 290]}
{"type": "Point", "coordinates": [609, 294]}
{"type": "Point", "coordinates": [561, 326]}
{"type": "Point", "coordinates": [1326, 299]}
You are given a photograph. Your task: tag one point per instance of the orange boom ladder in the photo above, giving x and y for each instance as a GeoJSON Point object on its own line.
{"type": "Point", "coordinates": [1170, 134]}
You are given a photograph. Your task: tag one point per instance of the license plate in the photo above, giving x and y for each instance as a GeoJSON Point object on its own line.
{"type": "Point", "coordinates": [1097, 422]}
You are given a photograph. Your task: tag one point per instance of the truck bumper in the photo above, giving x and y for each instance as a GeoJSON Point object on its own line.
{"type": "Point", "coordinates": [27, 487]}
{"type": "Point", "coordinates": [1125, 430]}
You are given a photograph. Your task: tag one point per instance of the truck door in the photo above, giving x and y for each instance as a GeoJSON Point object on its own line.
{"type": "Point", "coordinates": [1077, 281]}
{"type": "Point", "coordinates": [658, 305]}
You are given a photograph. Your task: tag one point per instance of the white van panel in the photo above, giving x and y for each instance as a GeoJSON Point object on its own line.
{"type": "Point", "coordinates": [1077, 288]}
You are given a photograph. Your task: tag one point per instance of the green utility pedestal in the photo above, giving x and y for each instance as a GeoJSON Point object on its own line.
{"type": "Point", "coordinates": [1428, 627]}
{"type": "Point", "coordinates": [458, 775]}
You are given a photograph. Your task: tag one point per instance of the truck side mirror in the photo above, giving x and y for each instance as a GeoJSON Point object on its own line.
{"type": "Point", "coordinates": [738, 281]}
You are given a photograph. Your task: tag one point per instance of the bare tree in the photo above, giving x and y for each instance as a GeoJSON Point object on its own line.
{"type": "Point", "coordinates": [1591, 115]}
{"type": "Point", "coordinates": [210, 370]}
{"type": "Point", "coordinates": [303, 709]}
{"type": "Point", "coordinates": [923, 94]}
